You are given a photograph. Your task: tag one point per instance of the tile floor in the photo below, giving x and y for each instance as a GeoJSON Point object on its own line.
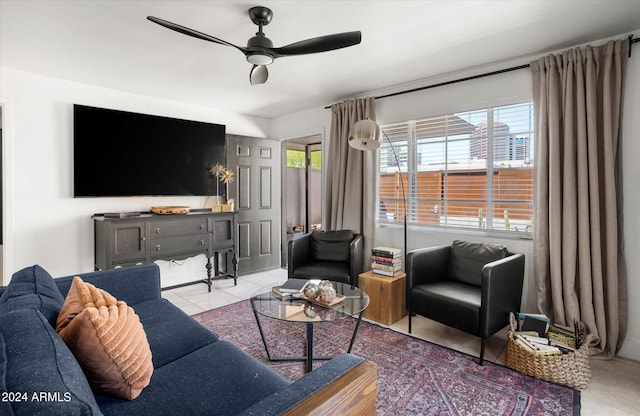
{"type": "Point", "coordinates": [615, 384]}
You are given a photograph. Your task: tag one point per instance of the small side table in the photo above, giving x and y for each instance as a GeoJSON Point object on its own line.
{"type": "Point", "coordinates": [387, 300]}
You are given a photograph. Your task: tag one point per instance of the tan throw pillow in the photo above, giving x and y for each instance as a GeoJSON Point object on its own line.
{"type": "Point", "coordinates": [108, 340]}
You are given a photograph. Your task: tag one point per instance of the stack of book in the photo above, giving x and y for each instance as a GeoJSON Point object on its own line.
{"type": "Point", "coordinates": [533, 322]}
{"type": "Point", "coordinates": [536, 344]}
{"type": "Point", "coordinates": [563, 336]}
{"type": "Point", "coordinates": [386, 261]}
{"type": "Point", "coordinates": [289, 288]}
{"type": "Point", "coordinates": [292, 287]}
{"type": "Point", "coordinates": [538, 335]}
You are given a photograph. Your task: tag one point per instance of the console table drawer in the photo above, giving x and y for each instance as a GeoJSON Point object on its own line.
{"type": "Point", "coordinates": [175, 245]}
{"type": "Point", "coordinates": [162, 229]}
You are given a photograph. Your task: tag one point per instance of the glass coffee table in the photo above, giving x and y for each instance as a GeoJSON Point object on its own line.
{"type": "Point", "coordinates": [264, 302]}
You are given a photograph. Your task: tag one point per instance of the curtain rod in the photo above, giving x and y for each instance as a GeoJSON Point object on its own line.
{"type": "Point", "coordinates": [487, 74]}
{"type": "Point", "coordinates": [455, 81]}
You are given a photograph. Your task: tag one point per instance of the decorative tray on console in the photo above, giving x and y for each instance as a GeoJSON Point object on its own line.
{"type": "Point", "coordinates": [170, 209]}
{"type": "Point", "coordinates": [337, 300]}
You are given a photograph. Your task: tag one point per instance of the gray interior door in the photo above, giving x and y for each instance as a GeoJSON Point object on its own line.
{"type": "Point", "coordinates": [256, 163]}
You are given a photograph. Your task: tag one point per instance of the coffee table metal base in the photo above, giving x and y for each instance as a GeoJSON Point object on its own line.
{"type": "Point", "coordinates": [309, 332]}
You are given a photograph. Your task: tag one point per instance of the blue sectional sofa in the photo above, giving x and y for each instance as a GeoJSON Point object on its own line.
{"type": "Point", "coordinates": [195, 372]}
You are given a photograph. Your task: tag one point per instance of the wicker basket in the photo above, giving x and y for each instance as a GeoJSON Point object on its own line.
{"type": "Point", "coordinates": [571, 369]}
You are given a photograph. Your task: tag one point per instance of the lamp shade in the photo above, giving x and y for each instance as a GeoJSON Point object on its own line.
{"type": "Point", "coordinates": [365, 135]}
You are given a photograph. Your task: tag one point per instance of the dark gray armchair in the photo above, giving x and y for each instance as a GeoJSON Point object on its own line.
{"type": "Point", "coordinates": [331, 255]}
{"type": "Point", "coordinates": [467, 285]}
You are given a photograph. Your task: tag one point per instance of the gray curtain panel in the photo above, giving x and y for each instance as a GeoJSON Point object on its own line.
{"type": "Point", "coordinates": [351, 175]}
{"type": "Point", "coordinates": [577, 231]}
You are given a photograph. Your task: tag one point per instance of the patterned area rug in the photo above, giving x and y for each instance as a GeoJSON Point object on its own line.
{"type": "Point", "coordinates": [415, 377]}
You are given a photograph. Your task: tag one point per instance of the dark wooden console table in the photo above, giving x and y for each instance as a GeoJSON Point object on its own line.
{"type": "Point", "coordinates": [137, 238]}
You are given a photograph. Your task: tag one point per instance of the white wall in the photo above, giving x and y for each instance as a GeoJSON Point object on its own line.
{"type": "Point", "coordinates": [496, 90]}
{"type": "Point", "coordinates": [44, 223]}
{"type": "Point", "coordinates": [630, 148]}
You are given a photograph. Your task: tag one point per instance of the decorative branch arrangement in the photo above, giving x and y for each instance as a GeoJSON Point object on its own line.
{"type": "Point", "coordinates": [227, 178]}
{"type": "Point", "coordinates": [221, 173]}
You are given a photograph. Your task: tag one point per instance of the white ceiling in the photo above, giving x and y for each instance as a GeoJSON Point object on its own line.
{"type": "Point", "coordinates": [111, 44]}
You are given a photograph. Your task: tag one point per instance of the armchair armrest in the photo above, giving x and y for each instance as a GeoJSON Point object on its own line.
{"type": "Point", "coordinates": [501, 292]}
{"type": "Point", "coordinates": [133, 284]}
{"type": "Point", "coordinates": [298, 253]}
{"type": "Point", "coordinates": [346, 385]}
{"type": "Point", "coordinates": [427, 264]}
{"type": "Point", "coordinates": [356, 257]}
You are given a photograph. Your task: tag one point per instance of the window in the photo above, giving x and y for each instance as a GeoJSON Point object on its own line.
{"type": "Point", "coordinates": [470, 170]}
{"type": "Point", "coordinates": [296, 159]}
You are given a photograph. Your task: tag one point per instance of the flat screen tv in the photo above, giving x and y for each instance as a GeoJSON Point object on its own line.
{"type": "Point", "coordinates": [119, 153]}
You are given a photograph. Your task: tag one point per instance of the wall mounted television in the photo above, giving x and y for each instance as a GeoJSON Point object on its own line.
{"type": "Point", "coordinates": [119, 153]}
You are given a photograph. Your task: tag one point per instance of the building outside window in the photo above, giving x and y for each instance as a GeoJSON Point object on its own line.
{"type": "Point", "coordinates": [468, 170]}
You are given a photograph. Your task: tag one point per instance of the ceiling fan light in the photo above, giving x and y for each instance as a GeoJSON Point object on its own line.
{"type": "Point", "coordinates": [260, 59]}
{"type": "Point", "coordinates": [258, 75]}
{"type": "Point", "coordinates": [365, 135]}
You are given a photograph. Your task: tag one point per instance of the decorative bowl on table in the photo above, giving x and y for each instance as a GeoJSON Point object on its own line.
{"type": "Point", "coordinates": [170, 209]}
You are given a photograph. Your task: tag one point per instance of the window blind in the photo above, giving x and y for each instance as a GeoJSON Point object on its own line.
{"type": "Point", "coordinates": [469, 170]}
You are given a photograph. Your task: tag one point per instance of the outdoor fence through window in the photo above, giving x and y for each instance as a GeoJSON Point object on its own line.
{"type": "Point", "coordinates": [468, 170]}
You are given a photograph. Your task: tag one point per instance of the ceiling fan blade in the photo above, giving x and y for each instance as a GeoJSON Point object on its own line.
{"type": "Point", "coordinates": [319, 44]}
{"type": "Point", "coordinates": [190, 32]}
{"type": "Point", "coordinates": [259, 74]}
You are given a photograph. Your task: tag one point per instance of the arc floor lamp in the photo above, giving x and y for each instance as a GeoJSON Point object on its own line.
{"type": "Point", "coordinates": [365, 136]}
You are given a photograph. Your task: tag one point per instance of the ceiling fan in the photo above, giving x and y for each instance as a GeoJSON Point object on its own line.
{"type": "Point", "coordinates": [260, 51]}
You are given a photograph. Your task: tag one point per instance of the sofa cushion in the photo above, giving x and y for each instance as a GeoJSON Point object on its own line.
{"type": "Point", "coordinates": [329, 270]}
{"type": "Point", "coordinates": [467, 258]}
{"type": "Point", "coordinates": [171, 332]}
{"type": "Point", "coordinates": [132, 284]}
{"type": "Point", "coordinates": [34, 360]}
{"type": "Point", "coordinates": [331, 245]}
{"type": "Point", "coordinates": [107, 339]}
{"type": "Point", "coordinates": [32, 287]}
{"type": "Point", "coordinates": [452, 303]}
{"type": "Point", "coordinates": [219, 379]}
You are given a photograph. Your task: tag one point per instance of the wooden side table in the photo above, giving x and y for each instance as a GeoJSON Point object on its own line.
{"type": "Point", "coordinates": [387, 300]}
